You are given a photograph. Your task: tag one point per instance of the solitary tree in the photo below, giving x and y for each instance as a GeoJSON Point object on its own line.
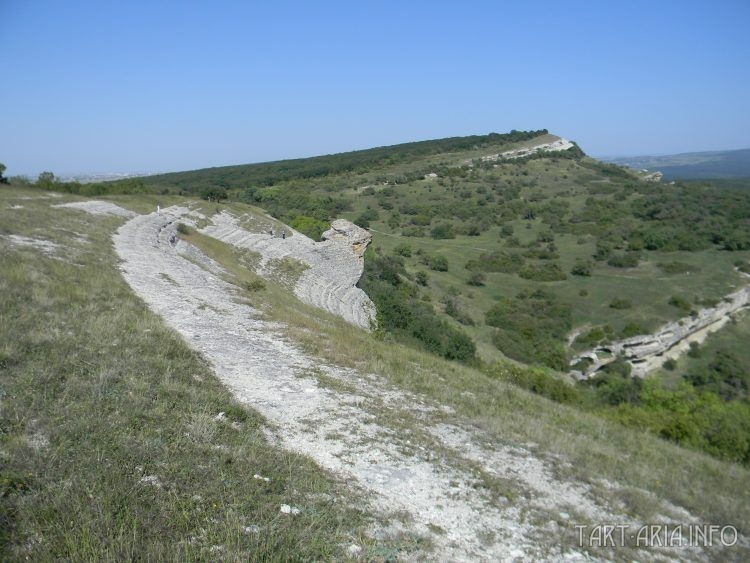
{"type": "Point", "coordinates": [45, 179]}
{"type": "Point", "coordinates": [3, 179]}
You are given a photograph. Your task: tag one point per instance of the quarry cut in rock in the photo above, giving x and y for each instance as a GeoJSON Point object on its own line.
{"type": "Point", "coordinates": [334, 265]}
{"type": "Point", "coordinates": [648, 351]}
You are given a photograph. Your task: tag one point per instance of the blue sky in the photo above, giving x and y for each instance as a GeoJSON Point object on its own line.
{"type": "Point", "coordinates": [100, 86]}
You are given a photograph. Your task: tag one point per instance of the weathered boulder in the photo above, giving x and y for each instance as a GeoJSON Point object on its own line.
{"type": "Point", "coordinates": [348, 233]}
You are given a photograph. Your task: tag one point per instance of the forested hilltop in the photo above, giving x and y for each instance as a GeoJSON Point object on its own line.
{"type": "Point", "coordinates": [481, 257]}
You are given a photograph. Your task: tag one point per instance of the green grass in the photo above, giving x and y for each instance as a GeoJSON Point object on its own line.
{"type": "Point", "coordinates": [109, 445]}
{"type": "Point", "coordinates": [647, 286]}
{"type": "Point", "coordinates": [119, 397]}
{"type": "Point", "coordinates": [582, 446]}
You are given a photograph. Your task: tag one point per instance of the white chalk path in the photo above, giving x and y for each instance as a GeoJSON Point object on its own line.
{"type": "Point", "coordinates": [422, 474]}
{"type": "Point", "coordinates": [343, 430]}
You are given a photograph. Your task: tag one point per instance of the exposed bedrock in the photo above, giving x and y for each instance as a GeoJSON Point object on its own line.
{"type": "Point", "coordinates": [334, 265]}
{"type": "Point", "coordinates": [648, 351]}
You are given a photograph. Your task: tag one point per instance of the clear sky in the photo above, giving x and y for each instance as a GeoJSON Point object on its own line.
{"type": "Point", "coordinates": [142, 86]}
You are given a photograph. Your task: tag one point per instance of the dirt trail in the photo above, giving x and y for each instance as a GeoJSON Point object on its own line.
{"type": "Point", "coordinates": [426, 470]}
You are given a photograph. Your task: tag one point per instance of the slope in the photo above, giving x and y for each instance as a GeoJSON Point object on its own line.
{"type": "Point", "coordinates": [523, 470]}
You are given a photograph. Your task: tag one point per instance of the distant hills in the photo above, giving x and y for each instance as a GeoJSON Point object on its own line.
{"type": "Point", "coordinates": [695, 165]}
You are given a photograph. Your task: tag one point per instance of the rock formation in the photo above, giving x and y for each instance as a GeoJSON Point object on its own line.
{"type": "Point", "coordinates": [646, 352]}
{"type": "Point", "coordinates": [334, 265]}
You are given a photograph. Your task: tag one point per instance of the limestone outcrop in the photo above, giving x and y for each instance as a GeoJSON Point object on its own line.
{"type": "Point", "coordinates": [347, 233]}
{"type": "Point", "coordinates": [334, 265]}
{"type": "Point", "coordinates": [649, 351]}
{"type": "Point", "coordinates": [559, 145]}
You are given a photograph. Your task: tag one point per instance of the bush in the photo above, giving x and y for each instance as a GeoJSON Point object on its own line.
{"type": "Point", "coordinates": [365, 217]}
{"type": "Point", "coordinates": [695, 350]}
{"type": "Point", "coordinates": [439, 263]}
{"type": "Point", "coordinates": [543, 272]}
{"type": "Point", "coordinates": [582, 268]}
{"type": "Point", "coordinates": [421, 278]}
{"type": "Point", "coordinates": [632, 329]}
{"type": "Point", "coordinates": [255, 285]}
{"type": "Point", "coordinates": [309, 226]}
{"type": "Point", "coordinates": [680, 303]}
{"type": "Point", "coordinates": [443, 231]}
{"type": "Point", "coordinates": [626, 260]}
{"type": "Point", "coordinates": [215, 193]}
{"type": "Point", "coordinates": [402, 250]}
{"type": "Point", "coordinates": [184, 229]}
{"type": "Point", "coordinates": [476, 279]}
{"type": "Point", "coordinates": [532, 328]}
{"type": "Point", "coordinates": [504, 262]}
{"type": "Point", "coordinates": [536, 380]}
{"type": "Point", "coordinates": [619, 303]}
{"type": "Point", "coordinates": [400, 312]}
{"type": "Point", "coordinates": [676, 267]}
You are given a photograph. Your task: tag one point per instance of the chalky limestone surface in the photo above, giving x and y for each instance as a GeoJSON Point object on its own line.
{"type": "Point", "coordinates": [648, 351]}
{"type": "Point", "coordinates": [334, 265]}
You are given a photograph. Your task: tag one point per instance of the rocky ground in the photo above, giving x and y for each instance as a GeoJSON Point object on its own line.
{"type": "Point", "coordinates": [421, 469]}
{"type": "Point", "coordinates": [333, 266]}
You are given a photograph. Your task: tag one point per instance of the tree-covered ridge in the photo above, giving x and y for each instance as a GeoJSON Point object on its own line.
{"type": "Point", "coordinates": [271, 173]}
{"type": "Point", "coordinates": [534, 259]}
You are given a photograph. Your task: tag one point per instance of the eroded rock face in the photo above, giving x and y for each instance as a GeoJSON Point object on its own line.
{"type": "Point", "coordinates": [648, 351]}
{"type": "Point", "coordinates": [348, 233]}
{"type": "Point", "coordinates": [334, 265]}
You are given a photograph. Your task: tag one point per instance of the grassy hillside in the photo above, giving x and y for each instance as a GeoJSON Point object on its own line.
{"type": "Point", "coordinates": [531, 259]}
{"type": "Point", "coordinates": [108, 416]}
{"type": "Point", "coordinates": [111, 443]}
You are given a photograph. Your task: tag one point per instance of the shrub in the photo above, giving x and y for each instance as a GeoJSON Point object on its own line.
{"type": "Point", "coordinates": [531, 327]}
{"type": "Point", "coordinates": [680, 303]}
{"type": "Point", "coordinates": [695, 350]}
{"type": "Point", "coordinates": [184, 229]}
{"type": "Point", "coordinates": [582, 268]}
{"type": "Point", "coordinates": [413, 232]}
{"type": "Point", "coordinates": [400, 312]}
{"type": "Point", "coordinates": [309, 226]}
{"type": "Point", "coordinates": [675, 267]}
{"type": "Point", "coordinates": [365, 217]}
{"type": "Point", "coordinates": [497, 262]}
{"type": "Point", "coordinates": [476, 279]}
{"type": "Point", "coordinates": [439, 263]}
{"type": "Point", "coordinates": [626, 260]}
{"type": "Point", "coordinates": [619, 303]}
{"type": "Point", "coordinates": [421, 278]}
{"type": "Point", "coordinates": [543, 272]}
{"type": "Point", "coordinates": [632, 329]}
{"type": "Point", "coordinates": [402, 250]}
{"type": "Point", "coordinates": [215, 193]}
{"type": "Point", "coordinates": [536, 380]}
{"type": "Point", "coordinates": [255, 285]}
{"type": "Point", "coordinates": [443, 231]}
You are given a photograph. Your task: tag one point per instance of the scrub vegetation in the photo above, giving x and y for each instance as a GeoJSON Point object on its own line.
{"type": "Point", "coordinates": [487, 275]}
